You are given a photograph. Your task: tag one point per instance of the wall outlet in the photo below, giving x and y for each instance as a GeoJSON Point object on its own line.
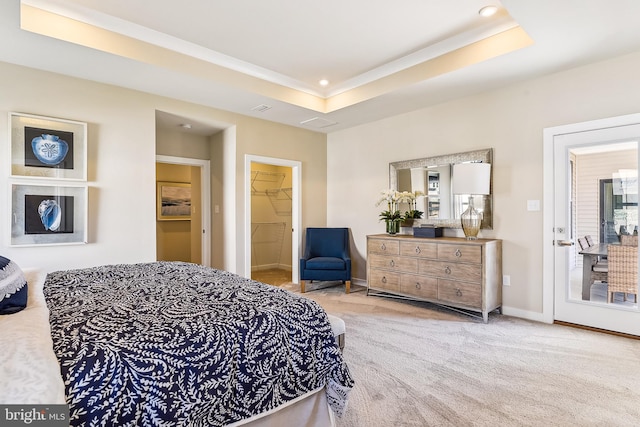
{"type": "Point", "coordinates": [506, 280]}
{"type": "Point", "coordinates": [533, 205]}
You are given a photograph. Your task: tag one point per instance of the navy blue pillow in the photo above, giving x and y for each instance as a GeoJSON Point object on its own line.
{"type": "Point", "coordinates": [13, 287]}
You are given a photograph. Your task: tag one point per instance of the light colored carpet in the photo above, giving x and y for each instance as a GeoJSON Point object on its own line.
{"type": "Point", "coordinates": [418, 365]}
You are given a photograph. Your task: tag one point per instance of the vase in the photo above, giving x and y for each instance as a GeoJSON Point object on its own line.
{"type": "Point", "coordinates": [393, 226]}
{"type": "Point", "coordinates": [471, 220]}
{"type": "Point", "coordinates": [406, 226]}
{"type": "Point", "coordinates": [407, 222]}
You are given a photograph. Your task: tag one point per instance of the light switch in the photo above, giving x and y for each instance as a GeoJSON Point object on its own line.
{"type": "Point", "coordinates": [533, 205]}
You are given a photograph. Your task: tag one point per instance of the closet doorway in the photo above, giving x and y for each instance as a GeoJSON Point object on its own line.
{"type": "Point", "coordinates": [272, 254]}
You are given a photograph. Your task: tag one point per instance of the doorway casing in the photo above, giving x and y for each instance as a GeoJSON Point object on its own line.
{"type": "Point", "coordinates": [205, 178]}
{"type": "Point", "coordinates": [548, 232]}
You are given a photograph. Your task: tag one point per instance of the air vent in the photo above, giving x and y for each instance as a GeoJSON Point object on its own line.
{"type": "Point", "coordinates": [318, 123]}
{"type": "Point", "coordinates": [261, 108]}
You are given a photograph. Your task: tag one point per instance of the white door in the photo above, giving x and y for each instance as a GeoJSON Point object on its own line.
{"type": "Point", "coordinates": [581, 158]}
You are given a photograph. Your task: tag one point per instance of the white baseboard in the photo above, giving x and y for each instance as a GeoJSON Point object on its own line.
{"type": "Point", "coordinates": [523, 314]}
{"type": "Point", "coordinates": [358, 282]}
{"type": "Point", "coordinates": [270, 267]}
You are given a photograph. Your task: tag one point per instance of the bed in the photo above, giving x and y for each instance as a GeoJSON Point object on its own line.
{"type": "Point", "coordinates": [172, 343]}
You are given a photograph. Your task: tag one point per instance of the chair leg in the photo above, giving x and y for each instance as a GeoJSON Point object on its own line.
{"type": "Point", "coordinates": [609, 297]}
{"type": "Point", "coordinates": [348, 286]}
{"type": "Point", "coordinates": [302, 286]}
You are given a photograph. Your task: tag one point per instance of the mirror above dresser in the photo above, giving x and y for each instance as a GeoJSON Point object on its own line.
{"type": "Point", "coordinates": [433, 176]}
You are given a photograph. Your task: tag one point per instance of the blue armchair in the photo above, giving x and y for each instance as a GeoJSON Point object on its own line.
{"type": "Point", "coordinates": [326, 256]}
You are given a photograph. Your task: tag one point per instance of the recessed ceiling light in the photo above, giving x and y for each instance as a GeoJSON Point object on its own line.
{"type": "Point", "coordinates": [185, 125]}
{"type": "Point", "coordinates": [488, 11]}
{"type": "Point", "coordinates": [324, 82]}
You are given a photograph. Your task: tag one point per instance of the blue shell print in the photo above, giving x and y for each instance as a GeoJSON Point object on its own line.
{"type": "Point", "coordinates": [50, 214]}
{"type": "Point", "coordinates": [49, 149]}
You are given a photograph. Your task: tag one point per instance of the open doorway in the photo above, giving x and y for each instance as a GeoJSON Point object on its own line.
{"type": "Point", "coordinates": [272, 220]}
{"type": "Point", "coordinates": [184, 239]}
{"type": "Point", "coordinates": [271, 223]}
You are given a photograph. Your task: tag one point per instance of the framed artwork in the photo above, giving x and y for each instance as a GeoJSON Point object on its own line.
{"type": "Point", "coordinates": [44, 147]}
{"type": "Point", "coordinates": [47, 214]}
{"type": "Point", "coordinates": [173, 201]}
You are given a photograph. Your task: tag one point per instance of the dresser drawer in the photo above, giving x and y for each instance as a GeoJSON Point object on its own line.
{"type": "Point", "coordinates": [386, 280]}
{"type": "Point", "coordinates": [419, 286]}
{"type": "Point", "coordinates": [383, 246]}
{"type": "Point", "coordinates": [419, 249]}
{"type": "Point", "coordinates": [460, 253]}
{"type": "Point", "coordinates": [469, 294]}
{"type": "Point", "coordinates": [451, 270]}
{"type": "Point", "coordinates": [396, 263]}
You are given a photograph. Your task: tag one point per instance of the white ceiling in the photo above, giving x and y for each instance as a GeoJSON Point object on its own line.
{"type": "Point", "coordinates": [382, 58]}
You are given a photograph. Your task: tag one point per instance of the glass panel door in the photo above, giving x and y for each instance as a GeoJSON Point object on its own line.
{"type": "Point", "coordinates": [596, 205]}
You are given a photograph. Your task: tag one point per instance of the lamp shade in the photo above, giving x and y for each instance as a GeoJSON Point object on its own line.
{"type": "Point", "coordinates": [471, 178]}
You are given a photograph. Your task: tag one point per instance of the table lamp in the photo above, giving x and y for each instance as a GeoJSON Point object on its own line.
{"type": "Point", "coordinates": [472, 179]}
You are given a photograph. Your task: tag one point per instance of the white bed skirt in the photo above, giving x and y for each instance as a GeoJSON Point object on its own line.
{"type": "Point", "coordinates": [310, 410]}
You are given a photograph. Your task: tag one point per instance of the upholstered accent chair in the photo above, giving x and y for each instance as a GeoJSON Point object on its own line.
{"type": "Point", "coordinates": [326, 256]}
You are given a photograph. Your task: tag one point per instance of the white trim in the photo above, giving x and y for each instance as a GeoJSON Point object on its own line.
{"type": "Point", "coordinates": [296, 211]}
{"type": "Point", "coordinates": [205, 178]}
{"type": "Point", "coordinates": [548, 252]}
{"type": "Point", "coordinates": [525, 314]}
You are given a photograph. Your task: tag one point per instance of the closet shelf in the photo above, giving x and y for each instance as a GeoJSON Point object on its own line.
{"type": "Point", "coordinates": [262, 181]}
{"type": "Point", "coordinates": [280, 200]}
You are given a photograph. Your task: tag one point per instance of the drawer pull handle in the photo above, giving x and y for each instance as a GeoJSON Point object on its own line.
{"type": "Point", "coordinates": [447, 270]}
{"type": "Point", "coordinates": [384, 279]}
{"type": "Point", "coordinates": [458, 292]}
{"type": "Point", "coordinates": [392, 263]}
{"type": "Point", "coordinates": [458, 253]}
{"type": "Point", "coordinates": [417, 249]}
{"type": "Point", "coordinates": [418, 285]}
{"type": "Point", "coordinates": [383, 247]}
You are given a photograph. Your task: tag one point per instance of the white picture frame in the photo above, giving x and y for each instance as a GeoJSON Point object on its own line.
{"type": "Point", "coordinates": [47, 148]}
{"type": "Point", "coordinates": [48, 214]}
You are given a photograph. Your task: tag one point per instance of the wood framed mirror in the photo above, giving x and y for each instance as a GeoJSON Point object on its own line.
{"type": "Point", "coordinates": [433, 176]}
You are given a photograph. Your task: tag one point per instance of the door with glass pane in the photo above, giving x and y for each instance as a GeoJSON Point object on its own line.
{"type": "Point", "coordinates": [596, 195]}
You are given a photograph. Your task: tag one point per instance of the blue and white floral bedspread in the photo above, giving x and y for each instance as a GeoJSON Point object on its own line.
{"type": "Point", "coordinates": [177, 344]}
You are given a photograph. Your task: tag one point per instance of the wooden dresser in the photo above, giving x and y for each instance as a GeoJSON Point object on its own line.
{"type": "Point", "coordinates": [450, 271]}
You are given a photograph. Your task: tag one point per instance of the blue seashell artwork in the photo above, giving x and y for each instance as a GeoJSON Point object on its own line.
{"type": "Point", "coordinates": [50, 214]}
{"type": "Point", "coordinates": [49, 149]}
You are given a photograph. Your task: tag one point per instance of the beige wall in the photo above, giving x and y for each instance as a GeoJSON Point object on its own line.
{"type": "Point", "coordinates": [122, 150]}
{"type": "Point", "coordinates": [510, 120]}
{"type": "Point", "coordinates": [170, 142]}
